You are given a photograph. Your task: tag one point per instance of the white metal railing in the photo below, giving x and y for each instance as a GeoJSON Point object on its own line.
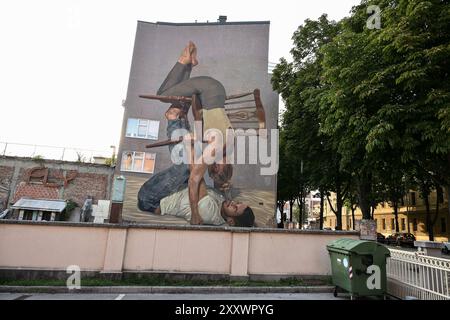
{"type": "Point", "coordinates": [51, 152]}
{"type": "Point", "coordinates": [417, 275]}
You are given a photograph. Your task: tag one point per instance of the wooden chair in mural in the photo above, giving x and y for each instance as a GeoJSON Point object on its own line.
{"type": "Point", "coordinates": [244, 110]}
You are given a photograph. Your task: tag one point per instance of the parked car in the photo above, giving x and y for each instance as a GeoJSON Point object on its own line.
{"type": "Point", "coordinates": [446, 248]}
{"type": "Point", "coordinates": [406, 240]}
{"type": "Point", "coordinates": [402, 239]}
{"type": "Point", "coordinates": [381, 238]}
{"type": "Point", "coordinates": [392, 239]}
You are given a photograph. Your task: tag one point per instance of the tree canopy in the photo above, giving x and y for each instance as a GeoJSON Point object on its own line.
{"type": "Point", "coordinates": [368, 107]}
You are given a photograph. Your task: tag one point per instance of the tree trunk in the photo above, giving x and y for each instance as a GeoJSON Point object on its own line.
{"type": "Point", "coordinates": [436, 213]}
{"type": "Point", "coordinates": [429, 225]}
{"type": "Point", "coordinates": [363, 197]}
{"type": "Point", "coordinates": [322, 200]}
{"type": "Point", "coordinates": [448, 208]}
{"type": "Point", "coordinates": [338, 211]}
{"type": "Point", "coordinates": [300, 207]}
{"type": "Point", "coordinates": [397, 227]}
{"type": "Point", "coordinates": [448, 201]}
{"type": "Point", "coordinates": [339, 220]}
{"type": "Point", "coordinates": [353, 217]}
{"type": "Point", "coordinates": [300, 212]}
{"type": "Point", "coordinates": [339, 205]}
{"type": "Point", "coordinates": [291, 203]}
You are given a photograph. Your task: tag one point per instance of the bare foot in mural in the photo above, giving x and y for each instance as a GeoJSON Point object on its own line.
{"type": "Point", "coordinates": [185, 57]}
{"type": "Point", "coordinates": [189, 55]}
{"type": "Point", "coordinates": [193, 53]}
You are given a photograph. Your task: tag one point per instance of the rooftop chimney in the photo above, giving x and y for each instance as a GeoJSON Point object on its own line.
{"type": "Point", "coordinates": [222, 19]}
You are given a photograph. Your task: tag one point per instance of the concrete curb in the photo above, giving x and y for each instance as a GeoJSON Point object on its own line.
{"type": "Point", "coordinates": [168, 290]}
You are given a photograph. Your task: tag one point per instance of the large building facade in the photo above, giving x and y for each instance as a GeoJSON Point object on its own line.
{"type": "Point", "coordinates": [236, 54]}
{"type": "Point", "coordinates": [412, 216]}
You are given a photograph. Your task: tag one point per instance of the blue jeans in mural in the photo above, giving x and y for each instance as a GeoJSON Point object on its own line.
{"type": "Point", "coordinates": [166, 182]}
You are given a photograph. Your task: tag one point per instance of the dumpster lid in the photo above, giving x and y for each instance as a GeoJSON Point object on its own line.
{"type": "Point", "coordinates": [358, 246]}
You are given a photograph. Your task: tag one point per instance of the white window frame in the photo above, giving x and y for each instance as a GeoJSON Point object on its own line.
{"type": "Point", "coordinates": [133, 159]}
{"type": "Point", "coordinates": [142, 122]}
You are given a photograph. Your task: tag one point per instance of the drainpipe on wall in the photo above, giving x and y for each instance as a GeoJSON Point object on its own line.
{"type": "Point", "coordinates": [117, 199]}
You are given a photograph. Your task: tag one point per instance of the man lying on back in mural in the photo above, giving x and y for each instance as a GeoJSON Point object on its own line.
{"type": "Point", "coordinates": [163, 192]}
{"type": "Point", "coordinates": [212, 207]}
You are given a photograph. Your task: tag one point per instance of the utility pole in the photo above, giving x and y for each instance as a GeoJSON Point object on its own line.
{"type": "Point", "coordinates": [113, 157]}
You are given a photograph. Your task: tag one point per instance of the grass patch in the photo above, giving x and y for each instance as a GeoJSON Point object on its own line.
{"type": "Point", "coordinates": [165, 282]}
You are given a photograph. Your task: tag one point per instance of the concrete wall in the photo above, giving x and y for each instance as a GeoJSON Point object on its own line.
{"type": "Point", "coordinates": [180, 249]}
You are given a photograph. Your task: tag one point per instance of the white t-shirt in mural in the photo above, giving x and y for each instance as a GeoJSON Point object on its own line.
{"type": "Point", "coordinates": [177, 204]}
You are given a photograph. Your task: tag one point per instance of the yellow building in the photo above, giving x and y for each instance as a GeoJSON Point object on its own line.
{"type": "Point", "coordinates": [411, 216]}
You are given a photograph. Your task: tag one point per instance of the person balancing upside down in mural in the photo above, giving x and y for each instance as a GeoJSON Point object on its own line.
{"type": "Point", "coordinates": [181, 190]}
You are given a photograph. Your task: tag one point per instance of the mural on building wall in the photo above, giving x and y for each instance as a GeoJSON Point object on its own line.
{"type": "Point", "coordinates": [207, 146]}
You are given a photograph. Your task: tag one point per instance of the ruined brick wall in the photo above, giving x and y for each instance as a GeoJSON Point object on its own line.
{"type": "Point", "coordinates": [86, 184]}
{"type": "Point", "coordinates": [6, 174]}
{"type": "Point", "coordinates": [64, 180]}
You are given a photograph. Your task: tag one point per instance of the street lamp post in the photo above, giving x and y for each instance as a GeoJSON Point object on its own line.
{"type": "Point", "coordinates": [113, 157]}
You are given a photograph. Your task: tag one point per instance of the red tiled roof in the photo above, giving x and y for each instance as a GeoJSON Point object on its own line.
{"type": "Point", "coordinates": [35, 191]}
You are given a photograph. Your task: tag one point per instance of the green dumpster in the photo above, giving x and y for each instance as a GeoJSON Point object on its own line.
{"type": "Point", "coordinates": [358, 267]}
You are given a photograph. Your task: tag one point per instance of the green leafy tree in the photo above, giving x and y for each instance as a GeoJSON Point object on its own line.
{"type": "Point", "coordinates": [368, 109]}
{"type": "Point", "coordinates": [317, 164]}
{"type": "Point", "coordinates": [389, 89]}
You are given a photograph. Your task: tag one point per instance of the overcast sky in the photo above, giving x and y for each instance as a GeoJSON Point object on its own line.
{"type": "Point", "coordinates": [64, 64]}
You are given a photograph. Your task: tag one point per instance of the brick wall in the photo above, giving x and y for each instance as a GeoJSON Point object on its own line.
{"type": "Point", "coordinates": [90, 180]}
{"type": "Point", "coordinates": [6, 174]}
{"type": "Point", "coordinates": [86, 184]}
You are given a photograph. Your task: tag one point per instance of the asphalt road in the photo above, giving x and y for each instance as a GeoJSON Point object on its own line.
{"type": "Point", "coordinates": [243, 296]}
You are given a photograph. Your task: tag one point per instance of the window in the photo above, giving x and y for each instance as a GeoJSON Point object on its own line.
{"type": "Point", "coordinates": [403, 224]}
{"type": "Point", "coordinates": [46, 216]}
{"type": "Point", "coordinates": [138, 162]}
{"type": "Point", "coordinates": [142, 128]}
{"type": "Point", "coordinates": [443, 225]}
{"type": "Point", "coordinates": [28, 215]}
{"type": "Point", "coordinates": [384, 224]}
{"type": "Point", "coordinates": [413, 198]}
{"type": "Point", "coordinates": [414, 224]}
{"type": "Point", "coordinates": [392, 224]}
